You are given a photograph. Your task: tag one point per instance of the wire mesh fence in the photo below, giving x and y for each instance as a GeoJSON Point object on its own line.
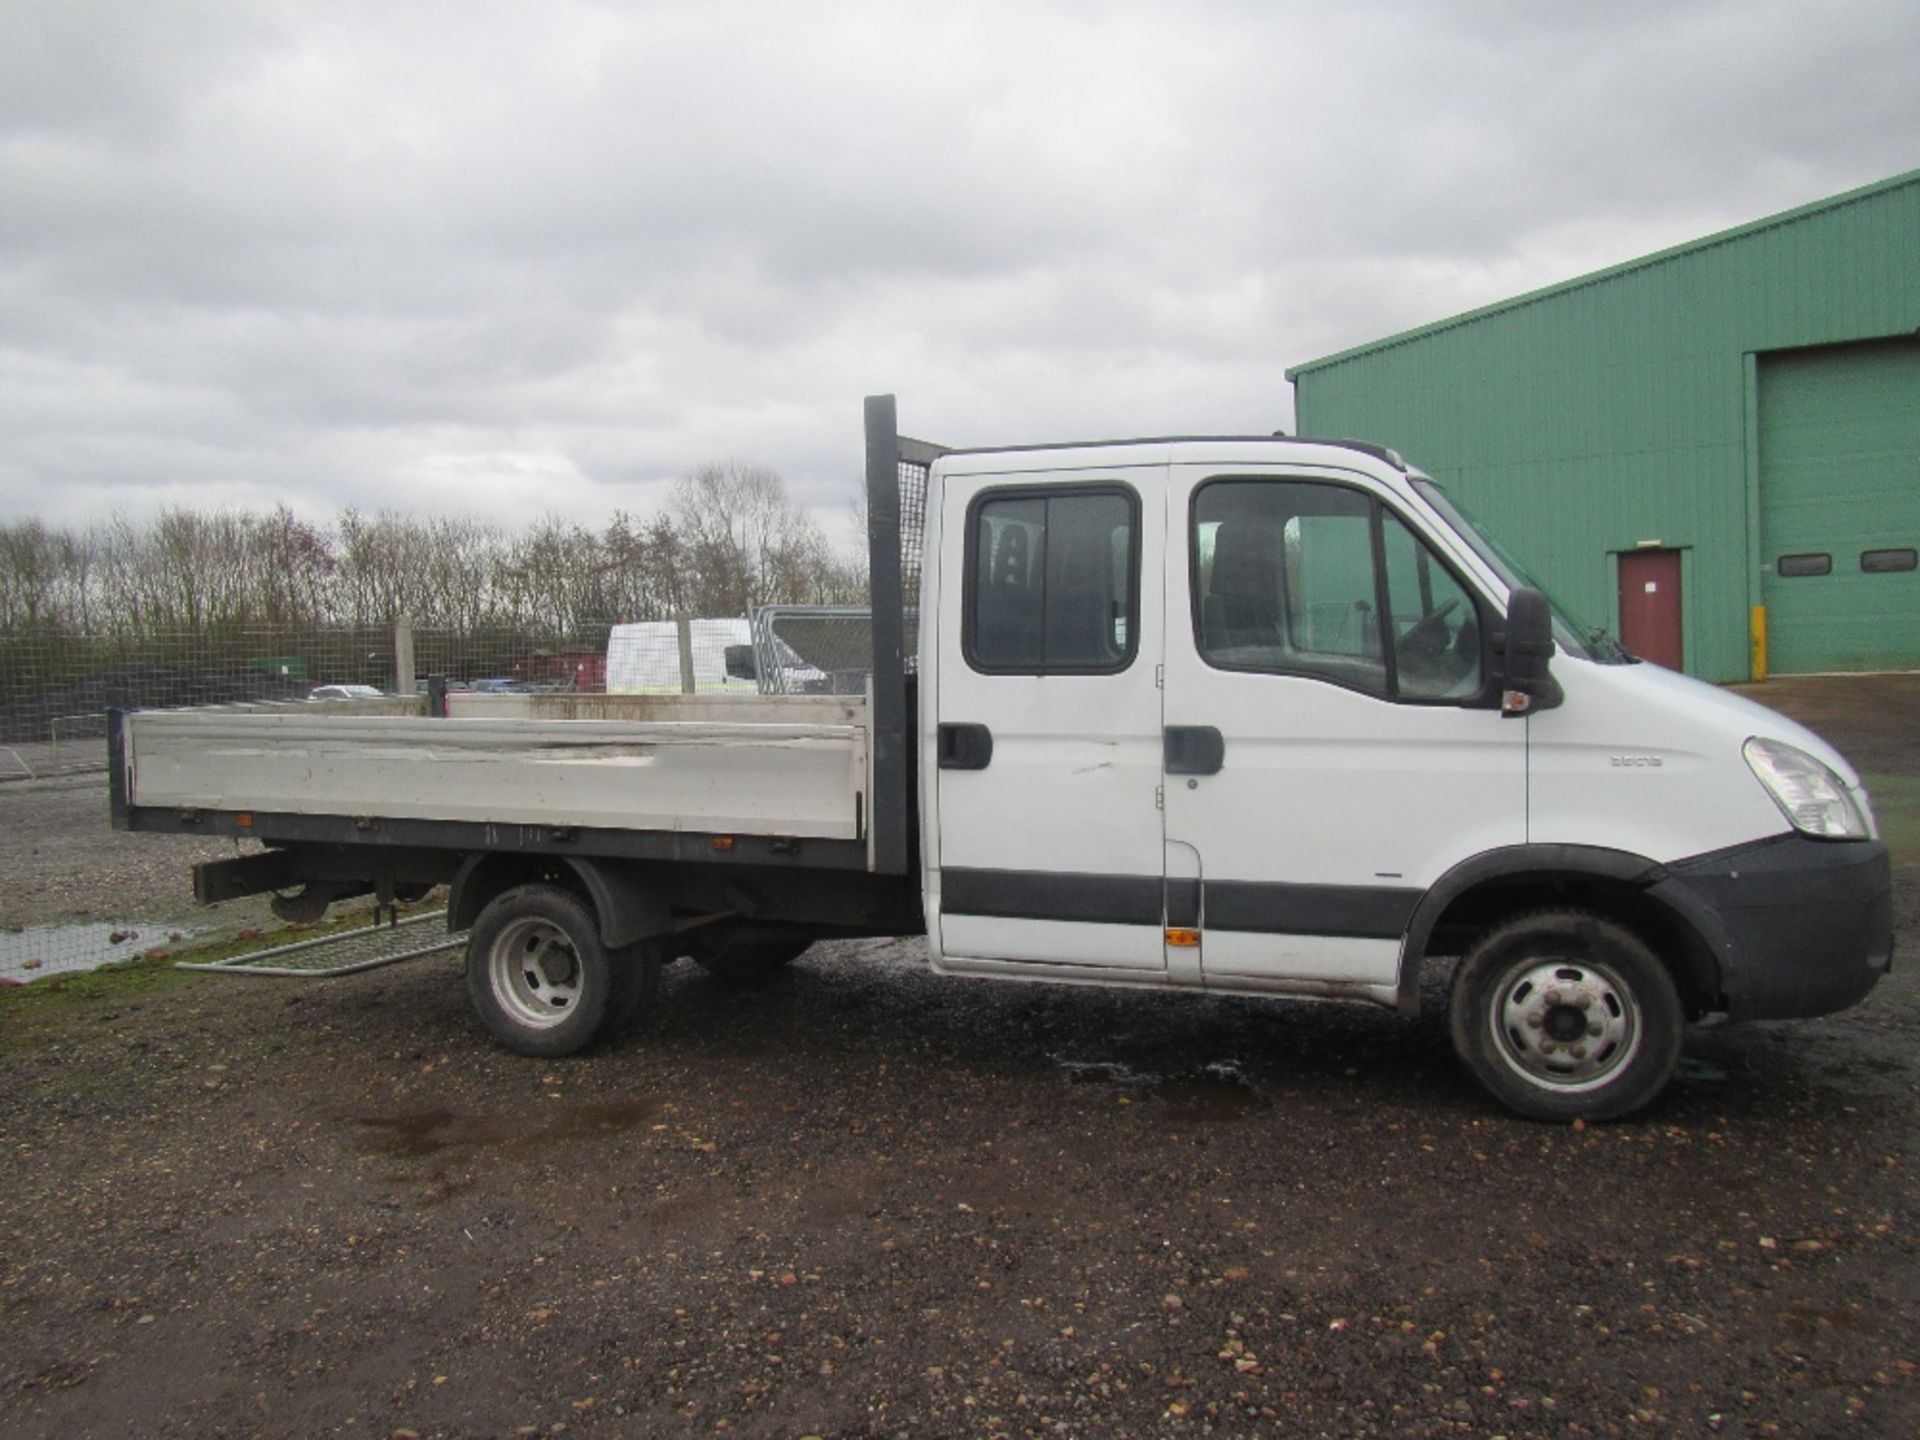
{"type": "Point", "coordinates": [56, 688]}
{"type": "Point", "coordinates": [38, 952]}
{"type": "Point", "coordinates": [916, 460]}
{"type": "Point", "coordinates": [813, 649]}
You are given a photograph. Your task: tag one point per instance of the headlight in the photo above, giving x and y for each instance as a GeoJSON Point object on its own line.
{"type": "Point", "coordinates": [1813, 798]}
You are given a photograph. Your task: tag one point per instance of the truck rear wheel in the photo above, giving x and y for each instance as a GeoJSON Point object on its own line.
{"type": "Point", "coordinates": [745, 964]}
{"type": "Point", "coordinates": [1564, 1015]}
{"type": "Point", "coordinates": [537, 974]}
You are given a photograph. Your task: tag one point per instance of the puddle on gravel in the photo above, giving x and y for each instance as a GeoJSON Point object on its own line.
{"type": "Point", "coordinates": [417, 1134]}
{"type": "Point", "coordinates": [1216, 1094]}
{"type": "Point", "coordinates": [1692, 1067]}
{"type": "Point", "coordinates": [1105, 1072]}
{"type": "Point", "coordinates": [42, 950]}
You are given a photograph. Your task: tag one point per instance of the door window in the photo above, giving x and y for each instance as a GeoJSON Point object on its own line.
{"type": "Point", "coordinates": [1436, 628]}
{"type": "Point", "coordinates": [1053, 581]}
{"type": "Point", "coordinates": [1295, 576]}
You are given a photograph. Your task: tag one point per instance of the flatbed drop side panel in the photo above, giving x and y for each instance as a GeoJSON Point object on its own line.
{"type": "Point", "coordinates": [794, 780]}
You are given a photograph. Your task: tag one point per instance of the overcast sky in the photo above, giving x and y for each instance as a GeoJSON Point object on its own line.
{"type": "Point", "coordinates": [510, 259]}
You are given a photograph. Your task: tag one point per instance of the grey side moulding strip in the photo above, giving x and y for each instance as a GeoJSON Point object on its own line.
{"type": "Point", "coordinates": [1358, 911]}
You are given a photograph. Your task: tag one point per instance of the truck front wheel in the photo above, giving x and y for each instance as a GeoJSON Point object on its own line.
{"type": "Point", "coordinates": [537, 974]}
{"type": "Point", "coordinates": [1564, 1015]}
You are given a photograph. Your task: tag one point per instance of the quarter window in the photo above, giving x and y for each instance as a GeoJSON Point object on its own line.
{"type": "Point", "coordinates": [1053, 581]}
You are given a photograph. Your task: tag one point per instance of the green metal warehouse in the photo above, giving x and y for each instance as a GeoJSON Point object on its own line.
{"type": "Point", "coordinates": [1713, 450]}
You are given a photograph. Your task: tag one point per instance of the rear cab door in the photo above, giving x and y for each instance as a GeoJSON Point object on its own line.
{"type": "Point", "coordinates": [1041, 728]}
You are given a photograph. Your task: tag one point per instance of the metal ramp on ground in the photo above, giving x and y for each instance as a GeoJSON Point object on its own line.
{"type": "Point", "coordinates": [346, 952]}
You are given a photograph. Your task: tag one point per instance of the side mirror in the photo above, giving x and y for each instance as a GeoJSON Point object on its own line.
{"type": "Point", "coordinates": [740, 665]}
{"type": "Point", "coordinates": [1526, 684]}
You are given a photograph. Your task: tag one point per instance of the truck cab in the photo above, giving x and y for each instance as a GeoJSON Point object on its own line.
{"type": "Point", "coordinates": [1257, 716]}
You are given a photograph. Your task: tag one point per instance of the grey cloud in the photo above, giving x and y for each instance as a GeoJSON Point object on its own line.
{"type": "Point", "coordinates": [509, 259]}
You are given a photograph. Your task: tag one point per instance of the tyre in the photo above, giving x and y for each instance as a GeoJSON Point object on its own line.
{"type": "Point", "coordinates": [636, 985]}
{"type": "Point", "coordinates": [746, 964]}
{"type": "Point", "coordinates": [1564, 1015]}
{"type": "Point", "coordinates": [537, 974]}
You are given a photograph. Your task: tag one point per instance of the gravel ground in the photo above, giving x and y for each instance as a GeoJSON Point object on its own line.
{"type": "Point", "coordinates": [62, 862]}
{"type": "Point", "coordinates": [864, 1200]}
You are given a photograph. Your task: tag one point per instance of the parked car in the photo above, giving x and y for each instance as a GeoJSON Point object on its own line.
{"type": "Point", "coordinates": [346, 692]}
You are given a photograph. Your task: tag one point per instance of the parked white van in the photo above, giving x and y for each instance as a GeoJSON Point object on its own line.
{"type": "Point", "coordinates": [643, 657]}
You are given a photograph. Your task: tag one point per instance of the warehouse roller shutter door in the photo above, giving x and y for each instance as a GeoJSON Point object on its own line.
{"type": "Point", "coordinates": [1840, 507]}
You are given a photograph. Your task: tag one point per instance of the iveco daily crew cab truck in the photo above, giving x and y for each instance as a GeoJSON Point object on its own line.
{"type": "Point", "coordinates": [1261, 716]}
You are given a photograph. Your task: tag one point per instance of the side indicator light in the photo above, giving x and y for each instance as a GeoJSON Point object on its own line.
{"type": "Point", "coordinates": [1184, 938]}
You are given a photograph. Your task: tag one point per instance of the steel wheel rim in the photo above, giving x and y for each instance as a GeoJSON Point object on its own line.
{"type": "Point", "coordinates": [535, 972]}
{"type": "Point", "coordinates": [1569, 1025]}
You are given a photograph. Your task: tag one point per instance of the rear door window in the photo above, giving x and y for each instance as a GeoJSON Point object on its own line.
{"type": "Point", "coordinates": [1053, 580]}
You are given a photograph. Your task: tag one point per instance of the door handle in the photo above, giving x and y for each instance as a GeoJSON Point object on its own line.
{"type": "Point", "coordinates": [1194, 750]}
{"type": "Point", "coordinates": [964, 745]}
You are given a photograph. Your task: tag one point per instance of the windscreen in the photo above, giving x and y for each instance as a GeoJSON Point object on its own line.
{"type": "Point", "coordinates": [1572, 633]}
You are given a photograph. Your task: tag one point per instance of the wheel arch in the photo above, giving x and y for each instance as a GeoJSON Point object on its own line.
{"type": "Point", "coordinates": [628, 904]}
{"type": "Point", "coordinates": [1622, 886]}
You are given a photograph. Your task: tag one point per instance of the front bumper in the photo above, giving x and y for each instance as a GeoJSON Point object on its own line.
{"type": "Point", "coordinates": [1805, 927]}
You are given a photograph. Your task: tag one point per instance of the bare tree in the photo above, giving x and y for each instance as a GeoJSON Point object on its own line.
{"type": "Point", "coordinates": [30, 564]}
{"type": "Point", "coordinates": [748, 543]}
{"type": "Point", "coordinates": [729, 539]}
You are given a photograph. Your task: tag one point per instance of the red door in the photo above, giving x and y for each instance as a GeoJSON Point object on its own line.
{"type": "Point", "coordinates": [1650, 605]}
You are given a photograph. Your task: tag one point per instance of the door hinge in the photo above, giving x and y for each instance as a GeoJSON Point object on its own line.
{"type": "Point", "coordinates": [1159, 677]}
{"type": "Point", "coordinates": [1159, 797]}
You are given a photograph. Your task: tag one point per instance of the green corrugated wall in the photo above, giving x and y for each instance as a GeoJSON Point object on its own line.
{"type": "Point", "coordinates": [1620, 408]}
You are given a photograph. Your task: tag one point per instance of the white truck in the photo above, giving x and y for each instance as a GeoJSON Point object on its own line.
{"type": "Point", "coordinates": [1259, 716]}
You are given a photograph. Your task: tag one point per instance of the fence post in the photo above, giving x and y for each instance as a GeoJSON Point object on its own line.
{"type": "Point", "coordinates": [403, 680]}
{"type": "Point", "coordinates": [684, 629]}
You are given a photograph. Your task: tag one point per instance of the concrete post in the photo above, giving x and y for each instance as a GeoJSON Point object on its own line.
{"type": "Point", "coordinates": [684, 627]}
{"type": "Point", "coordinates": [403, 680]}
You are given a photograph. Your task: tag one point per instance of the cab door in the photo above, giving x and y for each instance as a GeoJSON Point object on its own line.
{"type": "Point", "coordinates": [1333, 742]}
{"type": "Point", "coordinates": [1045, 837]}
